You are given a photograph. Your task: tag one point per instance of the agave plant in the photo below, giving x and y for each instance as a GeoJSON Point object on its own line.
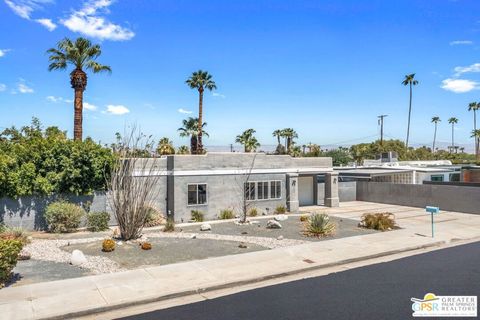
{"type": "Point", "coordinates": [319, 225]}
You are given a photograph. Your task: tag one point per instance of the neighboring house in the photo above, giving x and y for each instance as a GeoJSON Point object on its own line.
{"type": "Point", "coordinates": [470, 174]}
{"type": "Point", "coordinates": [217, 181]}
{"type": "Point", "coordinates": [399, 174]}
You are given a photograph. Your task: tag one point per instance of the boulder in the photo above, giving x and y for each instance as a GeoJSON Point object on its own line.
{"type": "Point", "coordinates": [205, 227]}
{"type": "Point", "coordinates": [272, 224]}
{"type": "Point", "coordinates": [78, 258]}
{"type": "Point", "coordinates": [242, 245]}
{"type": "Point", "coordinates": [280, 238]}
{"type": "Point", "coordinates": [193, 236]}
{"type": "Point", "coordinates": [281, 217]}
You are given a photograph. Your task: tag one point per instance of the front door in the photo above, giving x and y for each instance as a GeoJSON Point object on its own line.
{"type": "Point", "coordinates": [305, 191]}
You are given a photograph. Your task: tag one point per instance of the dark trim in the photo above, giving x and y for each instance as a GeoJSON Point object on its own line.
{"type": "Point", "coordinates": [170, 186]}
{"type": "Point", "coordinates": [453, 183]}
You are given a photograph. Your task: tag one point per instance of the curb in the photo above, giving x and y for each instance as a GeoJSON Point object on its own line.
{"type": "Point", "coordinates": [107, 308]}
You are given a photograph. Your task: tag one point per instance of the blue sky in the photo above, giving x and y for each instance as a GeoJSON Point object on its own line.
{"type": "Point", "coordinates": [324, 68]}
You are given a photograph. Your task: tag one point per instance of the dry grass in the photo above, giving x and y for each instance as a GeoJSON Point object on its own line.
{"type": "Point", "coordinates": [382, 221]}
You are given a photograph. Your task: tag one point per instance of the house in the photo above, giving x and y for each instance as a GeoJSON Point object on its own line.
{"type": "Point", "coordinates": [217, 181]}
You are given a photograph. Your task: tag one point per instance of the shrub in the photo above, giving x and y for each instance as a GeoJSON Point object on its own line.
{"type": "Point", "coordinates": [146, 246]}
{"type": "Point", "coordinates": [197, 215]}
{"type": "Point", "coordinates": [15, 233]}
{"type": "Point", "coordinates": [304, 218]}
{"type": "Point", "coordinates": [108, 245]}
{"type": "Point", "coordinates": [226, 214]}
{"type": "Point", "coordinates": [319, 225]}
{"type": "Point", "coordinates": [169, 225]}
{"type": "Point", "coordinates": [281, 209]}
{"type": "Point", "coordinates": [63, 216]}
{"type": "Point", "coordinates": [253, 212]}
{"type": "Point", "coordinates": [9, 250]}
{"type": "Point", "coordinates": [153, 218]}
{"type": "Point", "coordinates": [378, 221]}
{"type": "Point", "coordinates": [97, 221]}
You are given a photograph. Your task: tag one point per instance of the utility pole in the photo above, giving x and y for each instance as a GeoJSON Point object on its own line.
{"type": "Point", "coordinates": [231, 147]}
{"type": "Point", "coordinates": [380, 123]}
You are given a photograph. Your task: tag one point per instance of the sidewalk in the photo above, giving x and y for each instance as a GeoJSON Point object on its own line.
{"type": "Point", "coordinates": [80, 296]}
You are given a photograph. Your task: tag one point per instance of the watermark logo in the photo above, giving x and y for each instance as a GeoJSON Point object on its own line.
{"type": "Point", "coordinates": [444, 306]}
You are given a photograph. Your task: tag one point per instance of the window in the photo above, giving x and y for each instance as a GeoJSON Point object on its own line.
{"type": "Point", "coordinates": [262, 190]}
{"type": "Point", "coordinates": [250, 190]}
{"type": "Point", "coordinates": [275, 189]}
{"type": "Point", "coordinates": [197, 194]}
{"type": "Point", "coordinates": [437, 177]}
{"type": "Point", "coordinates": [454, 176]}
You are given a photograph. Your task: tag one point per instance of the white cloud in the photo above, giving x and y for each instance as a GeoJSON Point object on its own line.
{"type": "Point", "coordinates": [461, 42]}
{"type": "Point", "coordinates": [116, 109]}
{"type": "Point", "coordinates": [88, 106]}
{"type": "Point", "coordinates": [471, 68]}
{"type": "Point", "coordinates": [459, 85]}
{"type": "Point", "coordinates": [216, 94]}
{"type": "Point", "coordinates": [20, 8]}
{"type": "Point", "coordinates": [47, 23]}
{"type": "Point", "coordinates": [24, 8]}
{"type": "Point", "coordinates": [2, 87]}
{"type": "Point", "coordinates": [89, 22]}
{"type": "Point", "coordinates": [23, 88]}
{"type": "Point", "coordinates": [54, 99]}
{"type": "Point", "coordinates": [181, 110]}
{"type": "Point", "coordinates": [3, 52]}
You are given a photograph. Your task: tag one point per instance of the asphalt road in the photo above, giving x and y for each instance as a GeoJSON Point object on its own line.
{"type": "Point", "coordinates": [380, 291]}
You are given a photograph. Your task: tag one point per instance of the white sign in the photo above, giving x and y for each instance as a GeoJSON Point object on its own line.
{"type": "Point", "coordinates": [444, 306]}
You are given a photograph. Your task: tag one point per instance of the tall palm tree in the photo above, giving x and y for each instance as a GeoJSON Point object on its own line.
{"type": "Point", "coordinates": [409, 81]}
{"type": "Point", "coordinates": [190, 129]}
{"type": "Point", "coordinates": [247, 139]}
{"type": "Point", "coordinates": [476, 136]}
{"type": "Point", "coordinates": [81, 54]}
{"type": "Point", "coordinates": [278, 134]}
{"type": "Point", "coordinates": [474, 106]}
{"type": "Point", "coordinates": [453, 121]}
{"type": "Point", "coordinates": [165, 147]}
{"type": "Point", "coordinates": [200, 80]}
{"type": "Point", "coordinates": [289, 135]}
{"type": "Point", "coordinates": [435, 120]}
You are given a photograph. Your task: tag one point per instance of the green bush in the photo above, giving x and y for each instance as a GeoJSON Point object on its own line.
{"type": "Point", "coordinates": [226, 214]}
{"type": "Point", "coordinates": [97, 221]}
{"type": "Point", "coordinates": [169, 225]}
{"type": "Point", "coordinates": [253, 212]}
{"type": "Point", "coordinates": [281, 209]}
{"type": "Point", "coordinates": [197, 215]}
{"type": "Point", "coordinates": [63, 216]}
{"type": "Point", "coordinates": [9, 250]}
{"type": "Point", "coordinates": [378, 221]}
{"type": "Point", "coordinates": [319, 225]}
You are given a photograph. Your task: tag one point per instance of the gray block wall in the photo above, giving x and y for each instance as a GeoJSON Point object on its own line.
{"type": "Point", "coordinates": [447, 197]}
{"type": "Point", "coordinates": [27, 211]}
{"type": "Point", "coordinates": [347, 191]}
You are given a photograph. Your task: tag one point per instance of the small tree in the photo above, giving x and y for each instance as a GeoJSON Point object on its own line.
{"type": "Point", "coordinates": [243, 191]}
{"type": "Point", "coordinates": [132, 184]}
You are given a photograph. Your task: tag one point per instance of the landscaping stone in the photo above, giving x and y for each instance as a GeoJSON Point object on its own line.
{"type": "Point", "coordinates": [78, 258]}
{"type": "Point", "coordinates": [281, 217]}
{"type": "Point", "coordinates": [242, 245]}
{"type": "Point", "coordinates": [205, 227]}
{"type": "Point", "coordinates": [120, 243]}
{"type": "Point", "coordinates": [280, 238]}
{"type": "Point", "coordinates": [272, 224]}
{"type": "Point", "coordinates": [194, 236]}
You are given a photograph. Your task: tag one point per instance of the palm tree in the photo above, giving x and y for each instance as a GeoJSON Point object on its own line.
{"type": "Point", "coordinates": [200, 80]}
{"type": "Point", "coordinates": [476, 136]}
{"type": "Point", "coordinates": [183, 150]}
{"type": "Point", "coordinates": [435, 120]}
{"type": "Point", "coordinates": [165, 147]}
{"type": "Point", "coordinates": [248, 141]}
{"type": "Point", "coordinates": [81, 54]}
{"type": "Point", "coordinates": [409, 81]}
{"type": "Point", "coordinates": [453, 121]}
{"type": "Point", "coordinates": [474, 106]}
{"type": "Point", "coordinates": [190, 129]}
{"type": "Point", "coordinates": [278, 134]}
{"type": "Point", "coordinates": [289, 135]}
